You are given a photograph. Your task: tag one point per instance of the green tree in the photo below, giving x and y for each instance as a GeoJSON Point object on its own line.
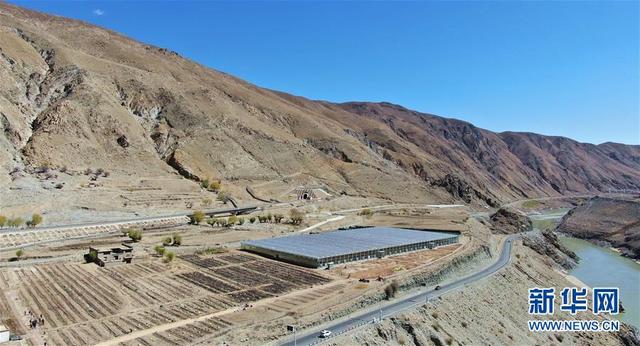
{"type": "Point", "coordinates": [240, 221]}
{"type": "Point", "coordinates": [197, 217]}
{"type": "Point", "coordinates": [205, 184]}
{"type": "Point", "coordinates": [169, 256]}
{"type": "Point", "coordinates": [19, 253]}
{"type": "Point", "coordinates": [3, 221]}
{"type": "Point", "coordinates": [252, 219]}
{"type": "Point", "coordinates": [36, 219]}
{"type": "Point", "coordinates": [159, 250]}
{"type": "Point", "coordinates": [135, 235]}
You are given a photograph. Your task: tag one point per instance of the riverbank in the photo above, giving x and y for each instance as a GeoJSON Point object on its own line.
{"type": "Point", "coordinates": [599, 265]}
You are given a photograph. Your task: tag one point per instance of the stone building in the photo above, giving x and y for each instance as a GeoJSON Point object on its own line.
{"type": "Point", "coordinates": [115, 255]}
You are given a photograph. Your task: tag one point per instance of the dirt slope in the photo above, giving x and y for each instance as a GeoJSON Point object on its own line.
{"type": "Point", "coordinates": [75, 96]}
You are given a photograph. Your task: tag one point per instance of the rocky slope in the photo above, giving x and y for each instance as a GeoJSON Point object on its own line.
{"type": "Point", "coordinates": [75, 97]}
{"type": "Point", "coordinates": [510, 221]}
{"type": "Point", "coordinates": [608, 221]}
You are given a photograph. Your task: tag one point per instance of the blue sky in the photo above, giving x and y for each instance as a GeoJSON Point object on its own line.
{"type": "Point", "coordinates": [557, 68]}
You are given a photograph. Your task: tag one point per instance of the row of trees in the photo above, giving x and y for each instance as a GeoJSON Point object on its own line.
{"type": "Point", "coordinates": [17, 222]}
{"type": "Point", "coordinates": [295, 217]}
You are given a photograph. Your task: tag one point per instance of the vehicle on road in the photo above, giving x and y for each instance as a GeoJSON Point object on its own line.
{"type": "Point", "coordinates": [325, 333]}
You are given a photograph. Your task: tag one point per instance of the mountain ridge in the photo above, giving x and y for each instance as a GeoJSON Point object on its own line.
{"type": "Point", "coordinates": [78, 96]}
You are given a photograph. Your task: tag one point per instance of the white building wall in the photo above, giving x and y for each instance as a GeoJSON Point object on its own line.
{"type": "Point", "coordinates": [4, 336]}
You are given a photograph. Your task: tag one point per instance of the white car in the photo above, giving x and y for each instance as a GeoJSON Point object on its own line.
{"type": "Point", "coordinates": [325, 333]}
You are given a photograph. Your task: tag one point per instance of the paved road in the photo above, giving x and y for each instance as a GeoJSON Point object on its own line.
{"type": "Point", "coordinates": [405, 303]}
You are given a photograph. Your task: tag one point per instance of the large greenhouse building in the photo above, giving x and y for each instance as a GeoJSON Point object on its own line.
{"type": "Point", "coordinates": [329, 248]}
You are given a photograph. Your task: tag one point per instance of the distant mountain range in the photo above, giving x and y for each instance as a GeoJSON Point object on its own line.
{"type": "Point", "coordinates": [78, 96]}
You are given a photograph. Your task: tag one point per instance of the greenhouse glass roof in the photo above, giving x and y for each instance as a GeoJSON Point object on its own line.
{"type": "Point", "coordinates": [344, 242]}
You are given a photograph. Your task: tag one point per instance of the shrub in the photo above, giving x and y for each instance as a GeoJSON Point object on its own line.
{"type": "Point", "coordinates": [197, 217]}
{"type": "Point", "coordinates": [3, 221]}
{"type": "Point", "coordinates": [88, 171]}
{"type": "Point", "coordinates": [206, 202]}
{"type": "Point", "coordinates": [36, 219]}
{"type": "Point", "coordinates": [91, 256]}
{"type": "Point", "coordinates": [169, 256]}
{"type": "Point", "coordinates": [159, 250]}
{"type": "Point", "coordinates": [215, 185]}
{"type": "Point", "coordinates": [135, 235]}
{"type": "Point", "coordinates": [167, 241]}
{"type": "Point", "coordinates": [252, 219]}
{"type": "Point", "coordinates": [19, 253]}
{"type": "Point", "coordinates": [177, 239]}
{"type": "Point", "coordinates": [240, 221]}
{"type": "Point", "coordinates": [222, 196]}
{"type": "Point", "coordinates": [269, 217]}
{"type": "Point", "coordinates": [296, 216]}
{"type": "Point", "coordinates": [205, 184]}
{"type": "Point", "coordinates": [211, 251]}
{"type": "Point", "coordinates": [106, 174]}
{"type": "Point", "coordinates": [366, 212]}
{"type": "Point", "coordinates": [278, 218]}
{"type": "Point", "coordinates": [232, 220]}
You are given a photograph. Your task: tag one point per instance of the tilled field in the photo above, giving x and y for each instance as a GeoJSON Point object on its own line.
{"type": "Point", "coordinates": [83, 304]}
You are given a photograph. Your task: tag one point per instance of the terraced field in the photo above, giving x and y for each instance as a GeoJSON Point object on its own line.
{"type": "Point", "coordinates": [83, 304]}
{"type": "Point", "coordinates": [15, 238]}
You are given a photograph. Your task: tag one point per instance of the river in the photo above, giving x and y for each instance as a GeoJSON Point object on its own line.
{"type": "Point", "coordinates": [604, 267]}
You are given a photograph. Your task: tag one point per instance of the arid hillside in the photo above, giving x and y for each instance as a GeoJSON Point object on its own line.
{"type": "Point", "coordinates": [615, 222]}
{"type": "Point", "coordinates": [75, 97]}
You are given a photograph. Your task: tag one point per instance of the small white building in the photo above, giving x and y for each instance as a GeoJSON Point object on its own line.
{"type": "Point", "coordinates": [4, 334]}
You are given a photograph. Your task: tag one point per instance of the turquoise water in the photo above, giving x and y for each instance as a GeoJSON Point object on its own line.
{"type": "Point", "coordinates": [599, 266]}
{"type": "Point", "coordinates": [604, 267]}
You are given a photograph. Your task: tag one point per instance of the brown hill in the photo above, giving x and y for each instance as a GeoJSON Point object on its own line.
{"type": "Point", "coordinates": [600, 219]}
{"type": "Point", "coordinates": [75, 97]}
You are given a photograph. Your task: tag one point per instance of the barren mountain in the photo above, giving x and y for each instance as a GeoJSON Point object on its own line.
{"type": "Point", "coordinates": [75, 97]}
